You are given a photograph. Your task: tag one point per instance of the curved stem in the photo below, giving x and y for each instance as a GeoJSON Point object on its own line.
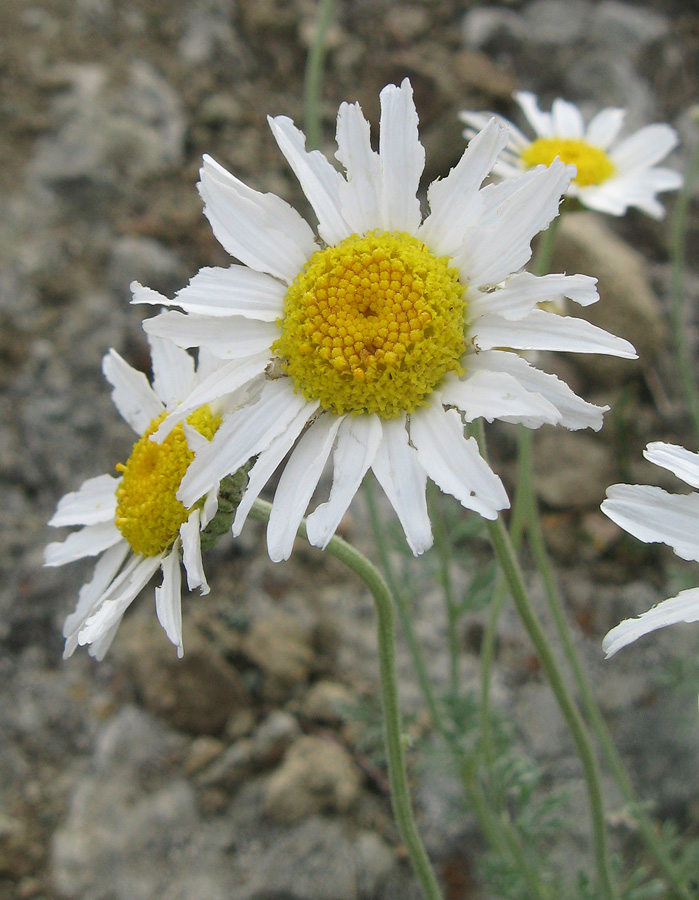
{"type": "Point", "coordinates": [313, 76]}
{"type": "Point", "coordinates": [499, 830]}
{"type": "Point", "coordinates": [400, 795]}
{"type": "Point", "coordinates": [508, 561]}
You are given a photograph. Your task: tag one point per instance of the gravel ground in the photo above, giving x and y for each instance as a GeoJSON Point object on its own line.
{"type": "Point", "coordinates": [237, 773]}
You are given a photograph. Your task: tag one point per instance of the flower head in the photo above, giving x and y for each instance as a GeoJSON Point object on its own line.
{"type": "Point", "coordinates": [135, 522]}
{"type": "Point", "coordinates": [611, 174]}
{"type": "Point", "coordinates": [373, 344]}
{"type": "Point", "coordinates": [655, 516]}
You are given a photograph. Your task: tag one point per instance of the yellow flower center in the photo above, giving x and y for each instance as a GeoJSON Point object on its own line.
{"type": "Point", "coordinates": [372, 325]}
{"type": "Point", "coordinates": [148, 513]}
{"type": "Point", "coordinates": [593, 164]}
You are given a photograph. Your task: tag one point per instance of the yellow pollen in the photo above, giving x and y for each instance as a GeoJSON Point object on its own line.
{"type": "Point", "coordinates": [148, 513]}
{"type": "Point", "coordinates": [593, 164]}
{"type": "Point", "coordinates": [373, 325]}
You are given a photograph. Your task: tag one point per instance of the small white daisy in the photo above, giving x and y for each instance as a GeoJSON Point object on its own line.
{"type": "Point", "coordinates": [374, 344]}
{"type": "Point", "coordinates": [134, 521]}
{"type": "Point", "coordinates": [612, 174]}
{"type": "Point", "coordinates": [655, 516]}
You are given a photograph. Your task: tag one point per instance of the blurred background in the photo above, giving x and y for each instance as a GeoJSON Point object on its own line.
{"type": "Point", "coordinates": [252, 769]}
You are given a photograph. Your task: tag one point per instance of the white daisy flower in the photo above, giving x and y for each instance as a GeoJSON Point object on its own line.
{"type": "Point", "coordinates": [612, 174]}
{"type": "Point", "coordinates": [374, 345]}
{"type": "Point", "coordinates": [655, 516]}
{"type": "Point", "coordinates": [134, 522]}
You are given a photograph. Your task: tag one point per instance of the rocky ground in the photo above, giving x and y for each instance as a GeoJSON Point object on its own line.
{"type": "Point", "coordinates": [240, 771]}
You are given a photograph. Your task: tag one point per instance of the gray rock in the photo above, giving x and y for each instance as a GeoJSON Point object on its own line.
{"type": "Point", "coordinates": [329, 702]}
{"type": "Point", "coordinates": [147, 261]}
{"type": "Point", "coordinates": [317, 861]}
{"type": "Point", "coordinates": [571, 470]}
{"type": "Point", "coordinates": [282, 647]}
{"type": "Point", "coordinates": [315, 776]}
{"type": "Point", "coordinates": [556, 22]}
{"type": "Point", "coordinates": [111, 134]}
{"type": "Point", "coordinates": [626, 28]}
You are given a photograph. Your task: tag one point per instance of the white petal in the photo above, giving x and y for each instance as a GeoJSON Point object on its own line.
{"type": "Point", "coordinates": [98, 649]}
{"type": "Point", "coordinates": [90, 595]}
{"type": "Point", "coordinates": [359, 194]}
{"type": "Point", "coordinates": [265, 466]}
{"type": "Point", "coordinates": [453, 200]}
{"type": "Point", "coordinates": [402, 159]}
{"type": "Point", "coordinates": [168, 598]}
{"type": "Point", "coordinates": [575, 412]}
{"type": "Point", "coordinates": [681, 462]}
{"type": "Point", "coordinates": [235, 291]}
{"type": "Point", "coordinates": [231, 338]}
{"type": "Point", "coordinates": [93, 502]}
{"type": "Point", "coordinates": [604, 128]}
{"type": "Point", "coordinates": [491, 254]}
{"type": "Point", "coordinates": [319, 180]}
{"type": "Point", "coordinates": [135, 399]}
{"type": "Point", "coordinates": [173, 371]}
{"type": "Point", "coordinates": [297, 483]}
{"type": "Point", "coordinates": [261, 230]}
{"type": "Point", "coordinates": [190, 533]}
{"type": "Point", "coordinates": [454, 462]}
{"type": "Point", "coordinates": [497, 395]}
{"type": "Point", "coordinates": [682, 608]}
{"type": "Point", "coordinates": [89, 541]}
{"type": "Point", "coordinates": [645, 148]}
{"type": "Point", "coordinates": [118, 598]}
{"type": "Point", "coordinates": [222, 381]}
{"type": "Point", "coordinates": [521, 293]}
{"type": "Point", "coordinates": [398, 471]}
{"type": "Point", "coordinates": [540, 121]}
{"type": "Point", "coordinates": [654, 516]}
{"type": "Point", "coordinates": [358, 440]}
{"type": "Point", "coordinates": [637, 189]}
{"type": "Point", "coordinates": [243, 434]}
{"type": "Point", "coordinates": [566, 120]}
{"type": "Point", "coordinates": [547, 331]}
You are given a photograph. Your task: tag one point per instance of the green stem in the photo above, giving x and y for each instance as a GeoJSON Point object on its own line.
{"type": "Point", "coordinates": [541, 263]}
{"type": "Point", "coordinates": [403, 611]}
{"type": "Point", "coordinates": [313, 76]}
{"type": "Point", "coordinates": [499, 830]}
{"type": "Point", "coordinates": [400, 795]}
{"type": "Point", "coordinates": [537, 546]}
{"type": "Point", "coordinates": [678, 241]}
{"type": "Point", "coordinates": [508, 562]}
{"type": "Point", "coordinates": [443, 547]}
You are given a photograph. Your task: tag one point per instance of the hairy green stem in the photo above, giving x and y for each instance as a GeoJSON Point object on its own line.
{"type": "Point", "coordinates": [443, 547]}
{"type": "Point", "coordinates": [400, 795]}
{"type": "Point", "coordinates": [313, 75]}
{"type": "Point", "coordinates": [498, 829]}
{"type": "Point", "coordinates": [508, 562]}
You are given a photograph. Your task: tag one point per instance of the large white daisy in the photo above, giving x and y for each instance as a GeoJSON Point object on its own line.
{"type": "Point", "coordinates": [612, 174]}
{"type": "Point", "coordinates": [134, 522]}
{"type": "Point", "coordinates": [374, 343]}
{"type": "Point", "coordinates": [655, 516]}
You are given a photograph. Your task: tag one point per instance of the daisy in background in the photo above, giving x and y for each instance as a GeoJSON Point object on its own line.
{"type": "Point", "coordinates": [655, 516]}
{"type": "Point", "coordinates": [134, 522]}
{"type": "Point", "coordinates": [373, 343]}
{"type": "Point", "coordinates": [612, 174]}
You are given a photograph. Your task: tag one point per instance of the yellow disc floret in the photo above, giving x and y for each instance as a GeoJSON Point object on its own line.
{"type": "Point", "coordinates": [148, 513]}
{"type": "Point", "coordinates": [372, 325]}
{"type": "Point", "coordinates": [592, 163]}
